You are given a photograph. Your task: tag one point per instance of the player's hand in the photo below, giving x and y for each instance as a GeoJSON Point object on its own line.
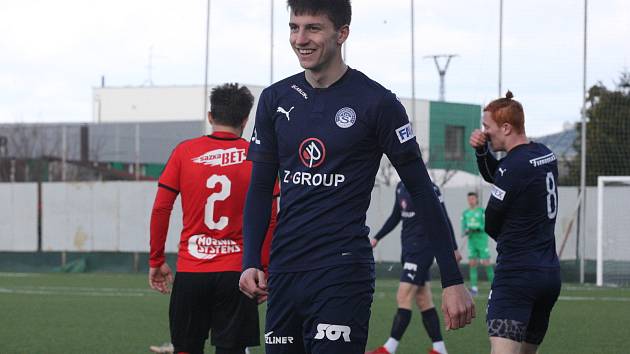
{"type": "Point", "coordinates": [458, 256]}
{"type": "Point", "coordinates": [253, 283]}
{"type": "Point", "coordinates": [457, 306]}
{"type": "Point", "coordinates": [373, 242]}
{"type": "Point", "coordinates": [160, 278]}
{"type": "Point", "coordinates": [477, 139]}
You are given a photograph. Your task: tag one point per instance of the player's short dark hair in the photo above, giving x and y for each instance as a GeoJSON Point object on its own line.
{"type": "Point", "coordinates": [472, 193]}
{"type": "Point", "coordinates": [230, 104]}
{"type": "Point", "coordinates": [507, 110]}
{"type": "Point", "coordinates": [338, 11]}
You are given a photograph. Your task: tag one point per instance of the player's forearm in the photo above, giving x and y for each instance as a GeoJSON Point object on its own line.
{"type": "Point", "coordinates": [450, 226]}
{"type": "Point", "coordinates": [389, 225]}
{"type": "Point", "coordinates": [258, 205]}
{"type": "Point", "coordinates": [160, 217]}
{"type": "Point", "coordinates": [494, 221]}
{"type": "Point", "coordinates": [486, 163]}
{"type": "Point", "coordinates": [415, 177]}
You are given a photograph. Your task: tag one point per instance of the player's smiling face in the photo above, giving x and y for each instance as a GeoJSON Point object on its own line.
{"type": "Point", "coordinates": [315, 41]}
{"type": "Point", "coordinates": [493, 132]}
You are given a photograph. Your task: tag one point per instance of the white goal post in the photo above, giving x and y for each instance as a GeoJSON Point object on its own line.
{"type": "Point", "coordinates": [613, 230]}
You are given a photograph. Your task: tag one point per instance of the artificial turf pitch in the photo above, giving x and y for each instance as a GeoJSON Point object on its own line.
{"type": "Point", "coordinates": [118, 313]}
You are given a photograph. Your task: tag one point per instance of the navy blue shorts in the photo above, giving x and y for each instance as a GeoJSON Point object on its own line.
{"type": "Point", "coordinates": [520, 304]}
{"type": "Point", "coordinates": [416, 266]}
{"type": "Point", "coordinates": [321, 311]}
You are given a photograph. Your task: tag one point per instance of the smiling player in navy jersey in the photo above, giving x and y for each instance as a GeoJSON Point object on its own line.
{"type": "Point", "coordinates": [520, 216]}
{"type": "Point", "coordinates": [323, 132]}
{"type": "Point", "coordinates": [417, 258]}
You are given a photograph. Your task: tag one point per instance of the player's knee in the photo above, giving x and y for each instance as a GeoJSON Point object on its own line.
{"type": "Point", "coordinates": [405, 295]}
{"type": "Point", "coordinates": [424, 302]}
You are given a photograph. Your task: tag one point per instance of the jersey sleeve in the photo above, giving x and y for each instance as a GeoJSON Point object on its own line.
{"type": "Point", "coordinates": [160, 218]}
{"type": "Point", "coordinates": [169, 178]}
{"type": "Point", "coordinates": [263, 146]}
{"type": "Point", "coordinates": [448, 220]}
{"type": "Point", "coordinates": [504, 189]}
{"type": "Point", "coordinates": [395, 134]}
{"type": "Point", "coordinates": [487, 163]}
{"type": "Point", "coordinates": [266, 248]}
{"type": "Point", "coordinates": [390, 224]}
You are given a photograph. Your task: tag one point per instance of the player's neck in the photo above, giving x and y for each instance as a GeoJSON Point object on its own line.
{"type": "Point", "coordinates": [516, 141]}
{"type": "Point", "coordinates": [216, 128]}
{"type": "Point", "coordinates": [326, 77]}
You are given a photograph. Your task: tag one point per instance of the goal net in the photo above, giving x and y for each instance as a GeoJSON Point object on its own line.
{"type": "Point", "coordinates": [613, 230]}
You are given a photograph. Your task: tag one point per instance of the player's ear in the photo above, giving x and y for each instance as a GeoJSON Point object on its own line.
{"type": "Point", "coordinates": [244, 123]}
{"type": "Point", "coordinates": [507, 128]}
{"type": "Point", "coordinates": [342, 34]}
{"type": "Point", "coordinates": [210, 118]}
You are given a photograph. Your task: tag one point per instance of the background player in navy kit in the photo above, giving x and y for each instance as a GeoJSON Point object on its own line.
{"type": "Point", "coordinates": [323, 131]}
{"type": "Point", "coordinates": [520, 216]}
{"type": "Point", "coordinates": [417, 257]}
{"type": "Point", "coordinates": [210, 172]}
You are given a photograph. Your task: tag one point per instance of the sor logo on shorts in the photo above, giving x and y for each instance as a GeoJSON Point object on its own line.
{"type": "Point", "coordinates": [345, 117]}
{"type": "Point", "coordinates": [312, 152]}
{"type": "Point", "coordinates": [333, 332]}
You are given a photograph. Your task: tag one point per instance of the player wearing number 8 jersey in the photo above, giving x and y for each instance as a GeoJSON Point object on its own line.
{"type": "Point", "coordinates": [211, 174]}
{"type": "Point", "coordinates": [520, 216]}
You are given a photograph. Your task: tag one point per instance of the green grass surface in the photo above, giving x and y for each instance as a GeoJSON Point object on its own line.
{"type": "Point", "coordinates": [117, 313]}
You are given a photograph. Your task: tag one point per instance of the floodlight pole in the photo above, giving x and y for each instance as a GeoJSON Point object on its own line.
{"type": "Point", "coordinates": [582, 233]}
{"type": "Point", "coordinates": [442, 71]}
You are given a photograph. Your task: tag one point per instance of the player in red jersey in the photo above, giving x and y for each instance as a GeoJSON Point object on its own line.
{"type": "Point", "coordinates": [212, 175]}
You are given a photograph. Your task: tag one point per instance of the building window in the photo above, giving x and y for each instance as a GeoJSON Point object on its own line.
{"type": "Point", "coordinates": [454, 142]}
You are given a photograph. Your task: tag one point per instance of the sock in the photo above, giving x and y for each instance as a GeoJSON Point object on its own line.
{"type": "Point", "coordinates": [431, 323]}
{"type": "Point", "coordinates": [473, 277]}
{"type": "Point", "coordinates": [391, 345]}
{"type": "Point", "coordinates": [490, 273]}
{"type": "Point", "coordinates": [440, 347]}
{"type": "Point", "coordinates": [401, 321]}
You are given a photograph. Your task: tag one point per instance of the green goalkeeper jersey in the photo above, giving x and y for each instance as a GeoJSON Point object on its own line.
{"type": "Point", "coordinates": [473, 223]}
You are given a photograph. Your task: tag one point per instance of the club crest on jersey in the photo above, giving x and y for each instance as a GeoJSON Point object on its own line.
{"type": "Point", "coordinates": [221, 157]}
{"type": "Point", "coordinates": [405, 133]}
{"type": "Point", "coordinates": [206, 247]}
{"type": "Point", "coordinates": [345, 117]}
{"type": "Point", "coordinates": [312, 152]}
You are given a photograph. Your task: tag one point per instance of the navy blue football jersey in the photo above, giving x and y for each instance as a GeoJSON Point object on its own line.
{"type": "Point", "coordinates": [524, 204]}
{"type": "Point", "coordinates": [413, 234]}
{"type": "Point", "coordinates": [328, 145]}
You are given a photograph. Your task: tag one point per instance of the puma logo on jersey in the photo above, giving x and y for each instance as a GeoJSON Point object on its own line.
{"type": "Point", "coordinates": [502, 171]}
{"type": "Point", "coordinates": [285, 112]}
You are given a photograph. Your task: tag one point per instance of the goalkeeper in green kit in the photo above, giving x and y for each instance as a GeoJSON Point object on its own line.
{"type": "Point", "coordinates": [473, 223]}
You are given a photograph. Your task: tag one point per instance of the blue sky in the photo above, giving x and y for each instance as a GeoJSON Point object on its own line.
{"type": "Point", "coordinates": [53, 52]}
